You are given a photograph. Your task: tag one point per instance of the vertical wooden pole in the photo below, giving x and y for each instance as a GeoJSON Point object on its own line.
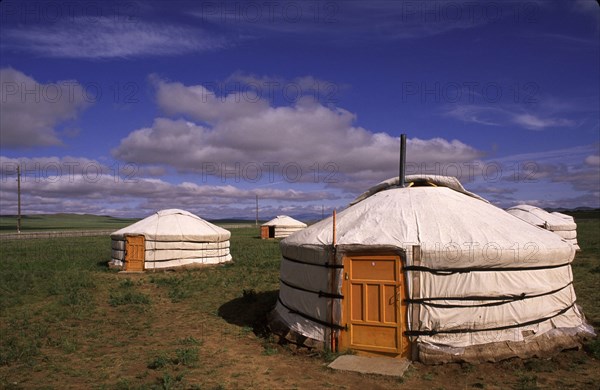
{"type": "Point", "coordinates": [332, 283]}
{"type": "Point", "coordinates": [256, 221]}
{"type": "Point", "coordinates": [18, 199]}
{"type": "Point", "coordinates": [334, 232]}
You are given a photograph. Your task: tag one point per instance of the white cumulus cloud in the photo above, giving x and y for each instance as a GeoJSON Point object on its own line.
{"type": "Point", "coordinates": [30, 111]}
{"type": "Point", "coordinates": [209, 129]}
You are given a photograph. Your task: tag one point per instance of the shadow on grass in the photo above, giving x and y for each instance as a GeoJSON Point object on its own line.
{"type": "Point", "coordinates": [250, 310]}
{"type": "Point", "coordinates": [103, 265]}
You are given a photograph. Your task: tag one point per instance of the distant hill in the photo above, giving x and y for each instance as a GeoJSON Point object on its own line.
{"type": "Point", "coordinates": [581, 213]}
{"type": "Point", "coordinates": [233, 221]}
{"type": "Point", "coordinates": [50, 222]}
{"type": "Point", "coordinates": [578, 213]}
{"type": "Point", "coordinates": [308, 218]}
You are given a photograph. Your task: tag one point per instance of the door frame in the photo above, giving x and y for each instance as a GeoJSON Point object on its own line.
{"type": "Point", "coordinates": [344, 337]}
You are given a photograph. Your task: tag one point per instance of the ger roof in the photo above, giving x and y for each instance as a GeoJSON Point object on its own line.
{"type": "Point", "coordinates": [284, 220]}
{"type": "Point", "coordinates": [454, 228]}
{"type": "Point", "coordinates": [174, 225]}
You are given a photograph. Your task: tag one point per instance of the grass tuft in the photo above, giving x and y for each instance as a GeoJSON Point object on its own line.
{"type": "Point", "coordinates": [187, 357]}
{"type": "Point", "coordinates": [159, 362]}
{"type": "Point", "coordinates": [527, 382]}
{"type": "Point", "coordinates": [128, 298]}
{"type": "Point", "coordinates": [190, 340]}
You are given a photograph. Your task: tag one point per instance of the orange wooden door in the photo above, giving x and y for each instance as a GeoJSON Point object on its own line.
{"type": "Point", "coordinates": [135, 251]}
{"type": "Point", "coordinates": [373, 309]}
{"type": "Point", "coordinates": [264, 232]}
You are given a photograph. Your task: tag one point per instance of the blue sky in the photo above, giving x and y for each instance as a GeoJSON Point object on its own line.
{"type": "Point", "coordinates": [127, 107]}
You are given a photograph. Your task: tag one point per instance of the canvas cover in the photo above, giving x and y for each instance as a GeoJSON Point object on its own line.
{"type": "Point", "coordinates": [563, 216]}
{"type": "Point", "coordinates": [561, 224]}
{"type": "Point", "coordinates": [174, 238]}
{"type": "Point", "coordinates": [494, 269]}
{"type": "Point", "coordinates": [285, 226]}
{"type": "Point", "coordinates": [540, 217]}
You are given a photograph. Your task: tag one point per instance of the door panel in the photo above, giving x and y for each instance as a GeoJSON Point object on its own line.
{"type": "Point", "coordinates": [371, 268]}
{"type": "Point", "coordinates": [135, 253]}
{"type": "Point", "coordinates": [373, 299]}
{"type": "Point", "coordinates": [369, 338]}
{"type": "Point", "coordinates": [373, 312]}
{"type": "Point", "coordinates": [357, 304]}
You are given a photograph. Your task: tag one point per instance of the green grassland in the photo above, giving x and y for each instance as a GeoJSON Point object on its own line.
{"type": "Point", "coordinates": [61, 304]}
{"type": "Point", "coordinates": [586, 269]}
{"type": "Point", "coordinates": [66, 320]}
{"type": "Point", "coordinates": [52, 222]}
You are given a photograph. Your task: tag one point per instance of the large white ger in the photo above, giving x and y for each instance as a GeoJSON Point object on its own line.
{"type": "Point", "coordinates": [430, 272]}
{"type": "Point", "coordinates": [167, 239]}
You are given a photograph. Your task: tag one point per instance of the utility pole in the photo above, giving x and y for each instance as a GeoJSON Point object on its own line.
{"type": "Point", "coordinates": [256, 222]}
{"type": "Point", "coordinates": [19, 199]}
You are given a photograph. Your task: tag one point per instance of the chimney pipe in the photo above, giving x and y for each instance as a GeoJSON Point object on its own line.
{"type": "Point", "coordinates": [402, 173]}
